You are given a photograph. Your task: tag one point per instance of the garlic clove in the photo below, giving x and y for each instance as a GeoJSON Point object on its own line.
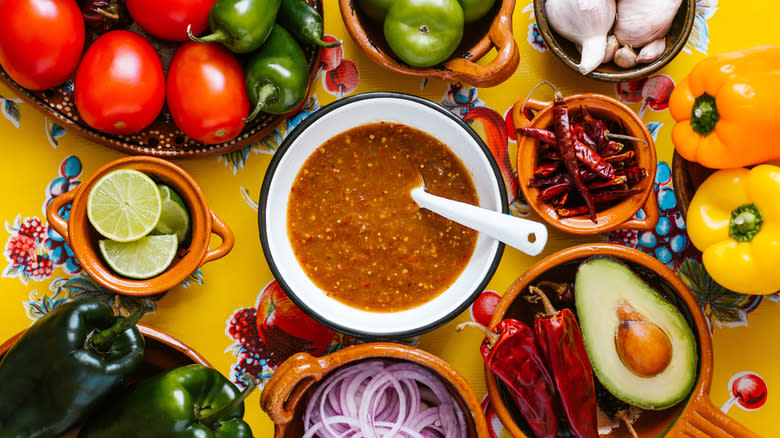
{"type": "Point", "coordinates": [593, 50]}
{"type": "Point", "coordinates": [639, 22]}
{"type": "Point", "coordinates": [612, 46]}
{"type": "Point", "coordinates": [625, 57]}
{"type": "Point", "coordinates": [651, 51]}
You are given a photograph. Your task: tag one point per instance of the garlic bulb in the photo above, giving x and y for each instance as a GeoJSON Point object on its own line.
{"type": "Point", "coordinates": [651, 51]}
{"type": "Point", "coordinates": [585, 23]}
{"type": "Point", "coordinates": [642, 21]}
{"type": "Point", "coordinates": [625, 57]}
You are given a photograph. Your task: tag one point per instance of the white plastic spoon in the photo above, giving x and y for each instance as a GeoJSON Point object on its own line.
{"type": "Point", "coordinates": [528, 236]}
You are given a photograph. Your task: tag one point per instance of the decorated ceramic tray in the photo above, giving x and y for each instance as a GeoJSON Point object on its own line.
{"type": "Point", "coordinates": [161, 138]}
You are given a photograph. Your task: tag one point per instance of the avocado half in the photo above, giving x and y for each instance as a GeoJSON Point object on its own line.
{"type": "Point", "coordinates": [610, 297]}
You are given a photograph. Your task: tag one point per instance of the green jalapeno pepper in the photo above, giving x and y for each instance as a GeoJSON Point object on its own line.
{"type": "Point", "coordinates": [64, 366]}
{"type": "Point", "coordinates": [303, 22]}
{"type": "Point", "coordinates": [277, 75]}
{"type": "Point", "coordinates": [240, 25]}
{"type": "Point", "coordinates": [189, 401]}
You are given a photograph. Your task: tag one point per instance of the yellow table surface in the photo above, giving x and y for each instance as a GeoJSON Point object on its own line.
{"type": "Point", "coordinates": [40, 157]}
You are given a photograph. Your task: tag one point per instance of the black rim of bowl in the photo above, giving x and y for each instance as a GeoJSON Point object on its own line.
{"type": "Point", "coordinates": [270, 172]}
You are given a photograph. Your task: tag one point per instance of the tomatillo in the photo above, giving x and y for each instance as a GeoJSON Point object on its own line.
{"type": "Point", "coordinates": [423, 33]}
{"type": "Point", "coordinates": [473, 10]}
{"type": "Point", "coordinates": [375, 9]}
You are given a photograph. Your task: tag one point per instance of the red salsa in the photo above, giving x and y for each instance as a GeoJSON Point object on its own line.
{"type": "Point", "coordinates": [357, 232]}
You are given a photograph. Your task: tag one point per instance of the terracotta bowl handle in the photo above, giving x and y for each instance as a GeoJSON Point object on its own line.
{"type": "Point", "coordinates": [702, 419]}
{"type": "Point", "coordinates": [284, 389]}
{"type": "Point", "coordinates": [519, 119]}
{"type": "Point", "coordinates": [651, 215]}
{"type": "Point", "coordinates": [56, 221]}
{"type": "Point", "coordinates": [220, 229]}
{"type": "Point", "coordinates": [499, 68]}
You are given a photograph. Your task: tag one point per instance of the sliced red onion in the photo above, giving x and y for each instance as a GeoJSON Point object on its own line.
{"type": "Point", "coordinates": [383, 399]}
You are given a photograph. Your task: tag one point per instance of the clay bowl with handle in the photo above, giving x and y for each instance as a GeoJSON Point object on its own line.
{"type": "Point", "coordinates": [162, 352]}
{"type": "Point", "coordinates": [695, 416]}
{"type": "Point", "coordinates": [567, 52]}
{"type": "Point", "coordinates": [610, 216]}
{"type": "Point", "coordinates": [479, 37]}
{"type": "Point", "coordinates": [287, 392]}
{"type": "Point", "coordinates": [192, 254]}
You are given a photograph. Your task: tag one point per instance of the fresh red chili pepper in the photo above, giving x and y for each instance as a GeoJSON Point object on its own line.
{"type": "Point", "coordinates": [511, 353]}
{"type": "Point", "coordinates": [561, 344]}
{"type": "Point", "coordinates": [565, 143]}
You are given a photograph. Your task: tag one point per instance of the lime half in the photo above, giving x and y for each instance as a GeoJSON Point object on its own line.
{"type": "Point", "coordinates": [124, 205]}
{"type": "Point", "coordinates": [174, 218]}
{"type": "Point", "coordinates": [142, 258]}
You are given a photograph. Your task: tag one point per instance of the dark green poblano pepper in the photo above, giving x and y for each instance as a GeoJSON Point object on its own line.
{"type": "Point", "coordinates": [277, 75]}
{"type": "Point", "coordinates": [192, 401]}
{"type": "Point", "coordinates": [64, 367]}
{"type": "Point", "coordinates": [240, 25]}
{"type": "Point", "coordinates": [303, 22]}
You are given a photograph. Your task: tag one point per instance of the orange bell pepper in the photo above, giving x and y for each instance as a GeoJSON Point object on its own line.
{"type": "Point", "coordinates": [726, 109]}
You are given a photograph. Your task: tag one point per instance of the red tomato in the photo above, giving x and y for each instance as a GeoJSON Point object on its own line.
{"type": "Point", "coordinates": [120, 84]}
{"type": "Point", "coordinates": [41, 41]}
{"type": "Point", "coordinates": [168, 19]}
{"type": "Point", "coordinates": [206, 93]}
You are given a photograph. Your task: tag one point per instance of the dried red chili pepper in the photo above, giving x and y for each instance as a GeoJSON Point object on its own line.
{"type": "Point", "coordinates": [565, 143]}
{"type": "Point", "coordinates": [611, 147]}
{"type": "Point", "coordinates": [571, 212]}
{"type": "Point", "coordinates": [584, 153]}
{"type": "Point", "coordinates": [613, 195]}
{"type": "Point", "coordinates": [511, 353]}
{"type": "Point", "coordinates": [546, 169]}
{"type": "Point", "coordinates": [554, 190]}
{"type": "Point", "coordinates": [633, 174]}
{"type": "Point", "coordinates": [561, 344]}
{"type": "Point", "coordinates": [616, 181]}
{"type": "Point", "coordinates": [627, 155]}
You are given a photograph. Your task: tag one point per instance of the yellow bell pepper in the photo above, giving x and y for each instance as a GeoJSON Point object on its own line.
{"type": "Point", "coordinates": [726, 109]}
{"type": "Point", "coordinates": [734, 220]}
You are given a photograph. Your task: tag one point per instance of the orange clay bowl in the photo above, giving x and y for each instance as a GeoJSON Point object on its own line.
{"type": "Point", "coordinates": [620, 215]}
{"type": "Point", "coordinates": [162, 352]}
{"type": "Point", "coordinates": [285, 394]}
{"type": "Point", "coordinates": [694, 417]}
{"type": "Point", "coordinates": [492, 30]}
{"type": "Point", "coordinates": [83, 238]}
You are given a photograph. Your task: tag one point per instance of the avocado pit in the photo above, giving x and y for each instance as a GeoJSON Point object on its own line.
{"type": "Point", "coordinates": [642, 346]}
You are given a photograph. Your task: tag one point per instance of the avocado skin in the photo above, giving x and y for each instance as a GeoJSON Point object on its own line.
{"type": "Point", "coordinates": [601, 283]}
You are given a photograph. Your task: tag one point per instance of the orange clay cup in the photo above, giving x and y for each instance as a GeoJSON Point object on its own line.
{"type": "Point", "coordinates": [620, 215]}
{"type": "Point", "coordinates": [284, 395]}
{"type": "Point", "coordinates": [493, 30]}
{"type": "Point", "coordinates": [695, 417]}
{"type": "Point", "coordinates": [83, 238]}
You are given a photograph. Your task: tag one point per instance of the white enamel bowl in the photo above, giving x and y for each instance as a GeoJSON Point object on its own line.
{"type": "Point", "coordinates": [341, 116]}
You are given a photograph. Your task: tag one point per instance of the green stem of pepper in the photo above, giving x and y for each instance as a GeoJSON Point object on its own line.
{"type": "Point", "coordinates": [101, 341]}
{"type": "Point", "coordinates": [216, 415]}
{"type": "Point", "coordinates": [264, 94]}
{"type": "Point", "coordinates": [704, 115]}
{"type": "Point", "coordinates": [745, 222]}
{"type": "Point", "coordinates": [218, 36]}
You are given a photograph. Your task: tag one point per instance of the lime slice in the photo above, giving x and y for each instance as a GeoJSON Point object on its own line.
{"type": "Point", "coordinates": [174, 218]}
{"type": "Point", "coordinates": [124, 205]}
{"type": "Point", "coordinates": [142, 258]}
